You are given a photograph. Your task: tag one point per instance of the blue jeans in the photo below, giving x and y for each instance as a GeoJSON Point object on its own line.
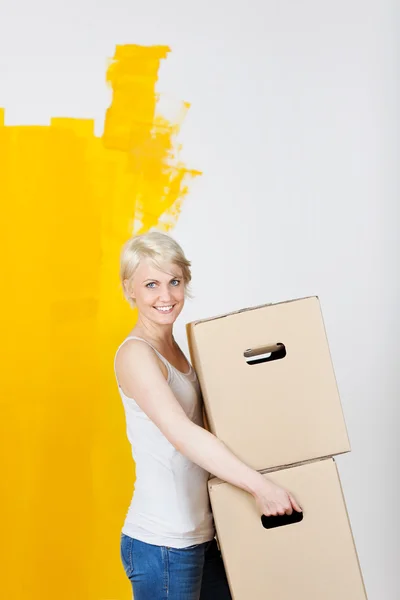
{"type": "Point", "coordinates": [163, 573]}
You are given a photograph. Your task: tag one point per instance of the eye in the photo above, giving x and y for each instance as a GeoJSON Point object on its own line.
{"type": "Point", "coordinates": [177, 282]}
{"type": "Point", "coordinates": [150, 284]}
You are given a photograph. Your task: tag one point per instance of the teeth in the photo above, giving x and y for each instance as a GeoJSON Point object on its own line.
{"type": "Point", "coordinates": [164, 308]}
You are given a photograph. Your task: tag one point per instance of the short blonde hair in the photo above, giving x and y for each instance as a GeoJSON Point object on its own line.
{"type": "Point", "coordinates": [159, 248]}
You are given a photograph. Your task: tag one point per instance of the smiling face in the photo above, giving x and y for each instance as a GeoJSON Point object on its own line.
{"type": "Point", "coordinates": [159, 295]}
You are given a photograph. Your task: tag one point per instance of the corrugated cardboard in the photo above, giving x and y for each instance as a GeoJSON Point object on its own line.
{"type": "Point", "coordinates": [314, 559]}
{"type": "Point", "coordinates": [278, 412]}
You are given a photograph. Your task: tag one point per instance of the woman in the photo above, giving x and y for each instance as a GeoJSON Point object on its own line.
{"type": "Point", "coordinates": [168, 547]}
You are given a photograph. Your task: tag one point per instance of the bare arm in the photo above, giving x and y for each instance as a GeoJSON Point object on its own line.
{"type": "Point", "coordinates": [141, 378]}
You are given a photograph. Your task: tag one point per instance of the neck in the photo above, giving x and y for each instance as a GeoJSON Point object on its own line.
{"type": "Point", "coordinates": [160, 334]}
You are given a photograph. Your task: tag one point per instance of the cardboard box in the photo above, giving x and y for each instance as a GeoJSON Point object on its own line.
{"type": "Point", "coordinates": [314, 559]}
{"type": "Point", "coordinates": [268, 383]}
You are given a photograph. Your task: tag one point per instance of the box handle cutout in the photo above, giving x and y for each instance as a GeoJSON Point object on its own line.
{"type": "Point", "coordinates": [281, 520]}
{"type": "Point", "coordinates": [255, 356]}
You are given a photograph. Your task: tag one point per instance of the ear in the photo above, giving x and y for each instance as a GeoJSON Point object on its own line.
{"type": "Point", "coordinates": [128, 291]}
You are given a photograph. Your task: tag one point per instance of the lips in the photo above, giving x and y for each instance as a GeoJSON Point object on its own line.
{"type": "Point", "coordinates": [164, 309]}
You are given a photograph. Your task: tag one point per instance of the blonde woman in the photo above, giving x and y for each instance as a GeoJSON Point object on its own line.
{"type": "Point", "coordinates": [168, 545]}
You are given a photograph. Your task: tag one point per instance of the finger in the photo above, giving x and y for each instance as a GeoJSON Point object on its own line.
{"type": "Point", "coordinates": [276, 511]}
{"type": "Point", "coordinates": [295, 504]}
{"type": "Point", "coordinates": [272, 510]}
{"type": "Point", "coordinates": [289, 510]}
{"type": "Point", "coordinates": [279, 510]}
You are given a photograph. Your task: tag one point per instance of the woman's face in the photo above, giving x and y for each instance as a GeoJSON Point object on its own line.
{"type": "Point", "coordinates": [159, 295]}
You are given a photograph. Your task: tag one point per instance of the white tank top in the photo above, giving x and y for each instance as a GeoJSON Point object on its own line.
{"type": "Point", "coordinates": [170, 504]}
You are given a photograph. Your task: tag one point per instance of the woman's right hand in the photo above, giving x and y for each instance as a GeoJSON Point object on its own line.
{"type": "Point", "coordinates": [271, 499]}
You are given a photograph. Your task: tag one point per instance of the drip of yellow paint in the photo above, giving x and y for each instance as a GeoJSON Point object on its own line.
{"type": "Point", "coordinates": [132, 126]}
{"type": "Point", "coordinates": [70, 199]}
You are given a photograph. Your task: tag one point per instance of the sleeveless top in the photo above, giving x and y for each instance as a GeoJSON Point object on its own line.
{"type": "Point", "coordinates": [170, 505]}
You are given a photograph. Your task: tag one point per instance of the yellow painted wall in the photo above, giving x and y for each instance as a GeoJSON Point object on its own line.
{"type": "Point", "coordinates": [69, 200]}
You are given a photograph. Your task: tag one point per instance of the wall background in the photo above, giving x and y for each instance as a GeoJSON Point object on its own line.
{"type": "Point", "coordinates": [294, 124]}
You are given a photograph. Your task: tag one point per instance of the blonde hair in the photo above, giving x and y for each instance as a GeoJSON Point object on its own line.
{"type": "Point", "coordinates": [159, 248]}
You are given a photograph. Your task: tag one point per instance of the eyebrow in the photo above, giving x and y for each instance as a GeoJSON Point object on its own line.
{"type": "Point", "coordinates": [156, 280]}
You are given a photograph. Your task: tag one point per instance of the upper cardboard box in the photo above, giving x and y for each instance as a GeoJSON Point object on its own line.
{"type": "Point", "coordinates": [268, 383]}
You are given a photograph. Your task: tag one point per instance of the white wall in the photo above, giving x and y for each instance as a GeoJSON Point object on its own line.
{"type": "Point", "coordinates": [293, 122]}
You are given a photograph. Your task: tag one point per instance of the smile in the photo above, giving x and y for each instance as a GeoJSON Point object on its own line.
{"type": "Point", "coordinates": [164, 309]}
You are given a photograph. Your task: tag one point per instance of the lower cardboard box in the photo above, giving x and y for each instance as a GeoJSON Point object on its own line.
{"type": "Point", "coordinates": [312, 559]}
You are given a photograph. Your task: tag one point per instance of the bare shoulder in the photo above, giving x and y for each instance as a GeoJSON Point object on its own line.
{"type": "Point", "coordinates": [133, 348]}
{"type": "Point", "coordinates": [141, 378]}
{"type": "Point", "coordinates": [134, 357]}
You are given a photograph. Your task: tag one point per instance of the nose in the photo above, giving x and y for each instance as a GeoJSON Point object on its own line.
{"type": "Point", "coordinates": [165, 294]}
